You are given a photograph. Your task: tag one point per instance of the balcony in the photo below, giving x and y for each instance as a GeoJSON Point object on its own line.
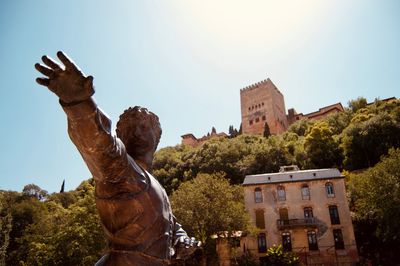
{"type": "Point", "coordinates": [295, 223]}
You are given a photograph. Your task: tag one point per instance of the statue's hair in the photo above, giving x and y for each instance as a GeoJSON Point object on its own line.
{"type": "Point", "coordinates": [128, 121]}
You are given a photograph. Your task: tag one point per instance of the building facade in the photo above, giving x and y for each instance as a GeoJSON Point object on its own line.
{"type": "Point", "coordinates": [262, 103]}
{"type": "Point", "coordinates": [304, 211]}
{"type": "Point", "coordinates": [191, 140]}
{"type": "Point", "coordinates": [293, 116]}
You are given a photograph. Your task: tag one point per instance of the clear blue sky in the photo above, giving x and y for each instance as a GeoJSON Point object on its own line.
{"type": "Point", "coordinates": [186, 61]}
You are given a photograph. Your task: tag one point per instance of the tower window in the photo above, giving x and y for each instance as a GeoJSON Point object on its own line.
{"type": "Point", "coordinates": [264, 118]}
{"type": "Point", "coordinates": [251, 122]}
{"type": "Point", "coordinates": [257, 119]}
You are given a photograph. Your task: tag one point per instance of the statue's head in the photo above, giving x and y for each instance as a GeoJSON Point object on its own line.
{"type": "Point", "coordinates": [140, 131]}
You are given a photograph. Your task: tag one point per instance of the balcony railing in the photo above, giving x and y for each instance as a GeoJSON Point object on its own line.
{"type": "Point", "coordinates": [292, 223]}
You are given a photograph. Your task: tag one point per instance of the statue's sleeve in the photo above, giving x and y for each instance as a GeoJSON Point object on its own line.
{"type": "Point", "coordinates": [105, 155]}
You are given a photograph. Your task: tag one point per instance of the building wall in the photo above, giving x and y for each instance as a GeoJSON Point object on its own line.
{"type": "Point", "coordinates": [319, 202]}
{"type": "Point", "coordinates": [262, 102]}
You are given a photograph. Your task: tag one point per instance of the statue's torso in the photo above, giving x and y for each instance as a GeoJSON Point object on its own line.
{"type": "Point", "coordinates": [137, 225]}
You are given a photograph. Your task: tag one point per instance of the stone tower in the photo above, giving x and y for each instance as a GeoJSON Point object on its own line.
{"type": "Point", "coordinates": [262, 103]}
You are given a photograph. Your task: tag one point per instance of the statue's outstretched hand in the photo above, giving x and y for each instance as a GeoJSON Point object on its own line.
{"type": "Point", "coordinates": [68, 83]}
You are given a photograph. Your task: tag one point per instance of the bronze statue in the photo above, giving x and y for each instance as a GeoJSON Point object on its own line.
{"type": "Point", "coordinates": [134, 209]}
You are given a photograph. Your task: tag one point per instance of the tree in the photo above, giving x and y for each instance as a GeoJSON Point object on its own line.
{"type": "Point", "coordinates": [357, 104]}
{"type": "Point", "coordinates": [33, 190]}
{"type": "Point", "coordinates": [5, 229]}
{"type": "Point", "coordinates": [267, 131]}
{"type": "Point", "coordinates": [367, 138]}
{"type": "Point", "coordinates": [208, 205]}
{"type": "Point", "coordinates": [321, 148]}
{"type": "Point", "coordinates": [375, 200]}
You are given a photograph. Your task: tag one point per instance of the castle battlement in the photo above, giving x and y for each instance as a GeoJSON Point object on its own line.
{"type": "Point", "coordinates": [255, 85]}
{"type": "Point", "coordinates": [258, 84]}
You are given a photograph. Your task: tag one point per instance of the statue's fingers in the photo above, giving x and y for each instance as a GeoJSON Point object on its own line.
{"type": "Point", "coordinates": [51, 63]}
{"type": "Point", "coordinates": [68, 63]}
{"type": "Point", "coordinates": [44, 70]}
{"type": "Point", "coordinates": [43, 81]}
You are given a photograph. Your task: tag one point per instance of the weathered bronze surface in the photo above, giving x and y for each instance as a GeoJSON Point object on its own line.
{"type": "Point", "coordinates": [134, 209]}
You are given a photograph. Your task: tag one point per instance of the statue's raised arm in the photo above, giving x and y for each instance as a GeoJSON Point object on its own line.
{"type": "Point", "coordinates": [133, 207]}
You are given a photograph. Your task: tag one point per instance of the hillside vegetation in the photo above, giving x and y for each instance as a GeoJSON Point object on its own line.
{"type": "Point", "coordinates": [38, 228]}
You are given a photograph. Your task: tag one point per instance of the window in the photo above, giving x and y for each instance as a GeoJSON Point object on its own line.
{"type": "Point", "coordinates": [251, 122]}
{"type": "Point", "coordinates": [284, 215]}
{"type": "Point", "coordinates": [312, 240]}
{"type": "Point", "coordinates": [338, 238]}
{"type": "Point", "coordinates": [308, 213]}
{"type": "Point", "coordinates": [281, 193]}
{"type": "Point", "coordinates": [286, 242]}
{"type": "Point", "coordinates": [264, 118]}
{"type": "Point", "coordinates": [260, 221]}
{"type": "Point", "coordinates": [262, 243]}
{"type": "Point", "coordinates": [305, 192]}
{"type": "Point", "coordinates": [258, 195]}
{"type": "Point", "coordinates": [334, 214]}
{"type": "Point", "coordinates": [330, 193]}
{"type": "Point", "coordinates": [257, 119]}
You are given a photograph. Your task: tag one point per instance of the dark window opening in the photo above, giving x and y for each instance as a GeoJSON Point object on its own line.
{"type": "Point", "coordinates": [338, 238]}
{"type": "Point", "coordinates": [284, 214]}
{"type": "Point", "coordinates": [260, 221]}
{"type": "Point", "coordinates": [308, 212]}
{"type": "Point", "coordinates": [264, 118]}
{"type": "Point", "coordinates": [312, 240]}
{"type": "Point", "coordinates": [251, 122]}
{"type": "Point", "coordinates": [257, 119]}
{"type": "Point", "coordinates": [286, 242]}
{"type": "Point", "coordinates": [262, 243]}
{"type": "Point", "coordinates": [334, 214]}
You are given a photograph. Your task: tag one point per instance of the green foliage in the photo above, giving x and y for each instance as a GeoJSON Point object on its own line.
{"type": "Point", "coordinates": [375, 200]}
{"type": "Point", "coordinates": [61, 229]}
{"type": "Point", "coordinates": [5, 229]}
{"type": "Point", "coordinates": [357, 104]}
{"type": "Point", "coordinates": [367, 139]}
{"type": "Point", "coordinates": [33, 190]}
{"type": "Point", "coordinates": [321, 148]}
{"type": "Point", "coordinates": [277, 257]}
{"type": "Point", "coordinates": [208, 205]}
